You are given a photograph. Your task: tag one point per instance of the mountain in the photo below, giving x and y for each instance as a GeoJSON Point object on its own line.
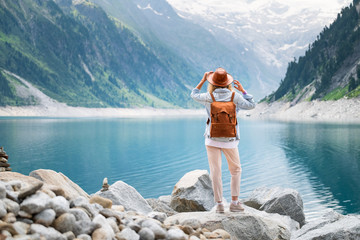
{"type": "Point", "coordinates": [265, 34]}
{"type": "Point", "coordinates": [330, 68]}
{"type": "Point", "coordinates": [75, 53]}
{"type": "Point", "coordinates": [156, 22]}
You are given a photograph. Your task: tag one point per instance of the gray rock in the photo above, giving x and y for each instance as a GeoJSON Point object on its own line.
{"type": "Point", "coordinates": [176, 234]}
{"type": "Point", "coordinates": [146, 234]}
{"type": "Point", "coordinates": [283, 201]}
{"type": "Point", "coordinates": [159, 206]}
{"type": "Point", "coordinates": [134, 226]}
{"type": "Point", "coordinates": [101, 234]}
{"type": "Point", "coordinates": [45, 217]}
{"type": "Point", "coordinates": [35, 203]}
{"type": "Point", "coordinates": [332, 226]}
{"type": "Point", "coordinates": [69, 235]}
{"type": "Point", "coordinates": [12, 195]}
{"type": "Point", "coordinates": [70, 189]}
{"type": "Point", "coordinates": [2, 190]}
{"type": "Point", "coordinates": [65, 223]}
{"type": "Point", "coordinates": [60, 205]}
{"type": "Point", "coordinates": [84, 227]}
{"type": "Point", "coordinates": [14, 185]}
{"type": "Point", "coordinates": [101, 220]}
{"type": "Point", "coordinates": [193, 192]}
{"type": "Point", "coordinates": [111, 213]}
{"type": "Point", "coordinates": [84, 237]}
{"type": "Point", "coordinates": [192, 222]}
{"type": "Point", "coordinates": [2, 209]}
{"type": "Point", "coordinates": [155, 227]}
{"type": "Point", "coordinates": [30, 190]}
{"type": "Point", "coordinates": [128, 234]}
{"type": "Point", "coordinates": [123, 194]}
{"type": "Point", "coordinates": [165, 199]}
{"type": "Point", "coordinates": [158, 216]}
{"type": "Point", "coordinates": [250, 224]}
{"type": "Point", "coordinates": [113, 225]}
{"type": "Point", "coordinates": [49, 233]}
{"type": "Point", "coordinates": [83, 202]}
{"type": "Point", "coordinates": [11, 206]}
{"type": "Point", "coordinates": [21, 228]}
{"type": "Point", "coordinates": [80, 214]}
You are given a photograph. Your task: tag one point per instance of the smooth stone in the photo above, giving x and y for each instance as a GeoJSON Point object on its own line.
{"type": "Point", "coordinates": [155, 227]}
{"type": "Point", "coordinates": [176, 234]}
{"type": "Point", "coordinates": [7, 227]}
{"type": "Point", "coordinates": [47, 191]}
{"type": "Point", "coordinates": [113, 225]}
{"type": "Point", "coordinates": [24, 214]}
{"type": "Point", "coordinates": [84, 227]}
{"type": "Point", "coordinates": [158, 216]}
{"type": "Point", "coordinates": [193, 237]}
{"type": "Point", "coordinates": [146, 234]}
{"type": "Point", "coordinates": [2, 209]}
{"type": "Point", "coordinates": [188, 230]}
{"type": "Point", "coordinates": [69, 235]}
{"type": "Point", "coordinates": [250, 224]}
{"type": "Point", "coordinates": [84, 237]}
{"type": "Point", "coordinates": [12, 195]}
{"type": "Point", "coordinates": [64, 222]}
{"type": "Point", "coordinates": [30, 190]}
{"type": "Point", "coordinates": [2, 190]}
{"type": "Point", "coordinates": [331, 226]}
{"type": "Point", "coordinates": [134, 226]}
{"type": "Point", "coordinates": [80, 214]}
{"type": "Point", "coordinates": [106, 203]}
{"type": "Point", "coordinates": [111, 213]}
{"type": "Point", "coordinates": [224, 234]}
{"type": "Point", "coordinates": [21, 228]}
{"type": "Point", "coordinates": [101, 234]}
{"type": "Point", "coordinates": [60, 205]}
{"type": "Point", "coordinates": [14, 185]}
{"type": "Point", "coordinates": [128, 234]}
{"type": "Point", "coordinates": [284, 201]}
{"type": "Point", "coordinates": [45, 217]}
{"type": "Point", "coordinates": [11, 206]}
{"type": "Point", "coordinates": [159, 206]}
{"type": "Point", "coordinates": [119, 208]}
{"type": "Point", "coordinates": [123, 194]}
{"type": "Point", "coordinates": [9, 218]}
{"type": "Point", "coordinates": [35, 203]}
{"type": "Point", "coordinates": [48, 232]}
{"type": "Point", "coordinates": [83, 202]}
{"type": "Point", "coordinates": [193, 192]}
{"type": "Point", "coordinates": [101, 220]}
{"type": "Point", "coordinates": [192, 222]}
{"type": "Point", "coordinates": [71, 189]}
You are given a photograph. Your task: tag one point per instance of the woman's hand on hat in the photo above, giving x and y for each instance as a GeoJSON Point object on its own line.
{"type": "Point", "coordinates": [238, 86]}
{"type": "Point", "coordinates": [204, 79]}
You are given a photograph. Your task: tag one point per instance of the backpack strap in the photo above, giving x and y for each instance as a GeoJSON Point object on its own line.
{"type": "Point", "coordinates": [232, 97]}
{"type": "Point", "coordinates": [212, 96]}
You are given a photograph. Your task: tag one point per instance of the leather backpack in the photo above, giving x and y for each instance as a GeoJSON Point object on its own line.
{"type": "Point", "coordinates": [223, 118]}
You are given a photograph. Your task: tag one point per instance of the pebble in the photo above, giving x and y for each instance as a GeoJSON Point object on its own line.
{"type": "Point", "coordinates": [176, 234]}
{"type": "Point", "coordinates": [146, 234]}
{"type": "Point", "coordinates": [45, 217]}
{"type": "Point", "coordinates": [129, 234]}
{"type": "Point", "coordinates": [60, 205]}
{"type": "Point", "coordinates": [35, 203]}
{"type": "Point", "coordinates": [65, 222]}
{"type": "Point", "coordinates": [106, 203]}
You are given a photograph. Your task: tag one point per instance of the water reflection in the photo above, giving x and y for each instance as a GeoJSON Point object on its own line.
{"type": "Point", "coordinates": [330, 154]}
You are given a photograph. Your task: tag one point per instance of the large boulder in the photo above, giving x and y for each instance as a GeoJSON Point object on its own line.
{"type": "Point", "coordinates": [331, 226]}
{"type": "Point", "coordinates": [52, 178]}
{"type": "Point", "coordinates": [123, 194]}
{"type": "Point", "coordinates": [250, 224]}
{"type": "Point", "coordinates": [159, 206]}
{"type": "Point", "coordinates": [284, 201]}
{"type": "Point", "coordinates": [193, 192]}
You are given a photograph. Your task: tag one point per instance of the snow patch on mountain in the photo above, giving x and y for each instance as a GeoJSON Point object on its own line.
{"type": "Point", "coordinates": [148, 7]}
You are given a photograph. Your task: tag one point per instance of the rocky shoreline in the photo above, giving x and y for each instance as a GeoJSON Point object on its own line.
{"type": "Point", "coordinates": [48, 205]}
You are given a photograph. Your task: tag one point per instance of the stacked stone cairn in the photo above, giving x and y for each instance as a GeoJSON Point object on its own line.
{"type": "Point", "coordinates": [4, 165]}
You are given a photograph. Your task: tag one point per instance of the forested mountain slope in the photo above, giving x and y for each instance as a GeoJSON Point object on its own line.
{"type": "Point", "coordinates": [75, 53]}
{"type": "Point", "coordinates": [330, 68]}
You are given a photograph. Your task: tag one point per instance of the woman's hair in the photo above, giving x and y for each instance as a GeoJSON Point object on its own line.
{"type": "Point", "coordinates": [211, 87]}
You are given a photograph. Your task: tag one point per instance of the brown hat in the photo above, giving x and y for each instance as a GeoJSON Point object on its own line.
{"type": "Point", "coordinates": [220, 78]}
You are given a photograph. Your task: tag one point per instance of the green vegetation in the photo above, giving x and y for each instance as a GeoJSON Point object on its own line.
{"type": "Point", "coordinates": [78, 55]}
{"type": "Point", "coordinates": [336, 94]}
{"type": "Point", "coordinates": [324, 58]}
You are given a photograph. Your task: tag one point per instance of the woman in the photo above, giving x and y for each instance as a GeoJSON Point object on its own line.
{"type": "Point", "coordinates": [220, 87]}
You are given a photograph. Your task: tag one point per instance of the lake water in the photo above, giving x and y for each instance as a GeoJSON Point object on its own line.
{"type": "Point", "coordinates": [321, 161]}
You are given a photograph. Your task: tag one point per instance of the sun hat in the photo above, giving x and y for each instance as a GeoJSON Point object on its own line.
{"type": "Point", "coordinates": [220, 78]}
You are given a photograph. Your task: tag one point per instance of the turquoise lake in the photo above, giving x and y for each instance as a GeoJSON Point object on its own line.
{"type": "Point", "coordinates": [321, 161]}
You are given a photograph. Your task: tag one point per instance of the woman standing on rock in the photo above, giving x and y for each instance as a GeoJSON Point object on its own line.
{"type": "Point", "coordinates": [220, 91]}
